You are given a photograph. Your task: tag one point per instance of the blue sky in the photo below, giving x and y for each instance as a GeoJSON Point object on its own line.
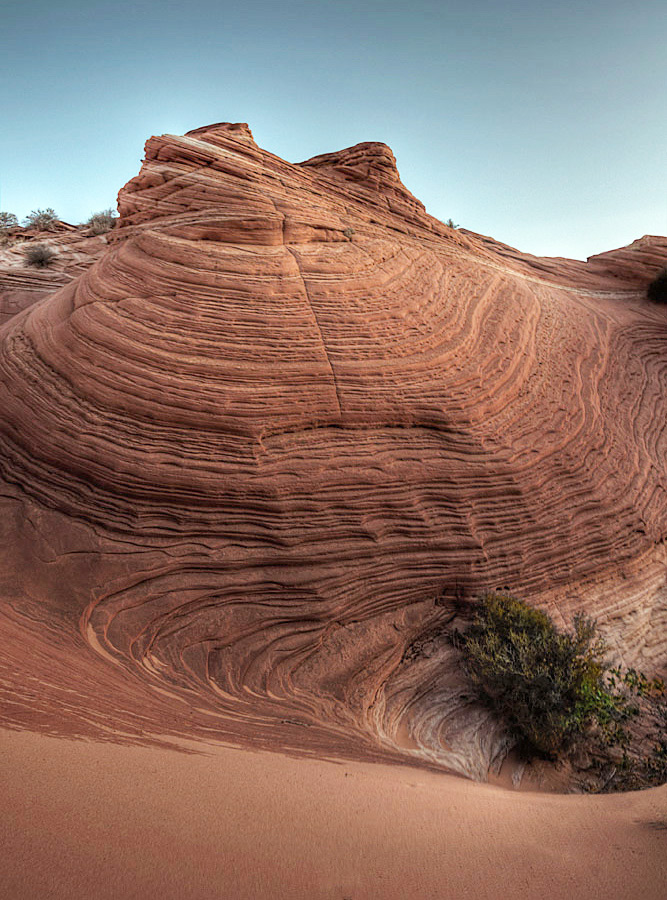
{"type": "Point", "coordinates": [543, 125]}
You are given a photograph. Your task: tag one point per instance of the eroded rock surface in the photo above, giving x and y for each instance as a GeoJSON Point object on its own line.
{"type": "Point", "coordinates": [22, 285]}
{"type": "Point", "coordinates": [288, 424]}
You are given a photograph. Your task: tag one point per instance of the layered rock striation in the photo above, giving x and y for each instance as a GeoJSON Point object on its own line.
{"type": "Point", "coordinates": [20, 285]}
{"type": "Point", "coordinates": [286, 427]}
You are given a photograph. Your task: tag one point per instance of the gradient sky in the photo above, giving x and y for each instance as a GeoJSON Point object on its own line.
{"type": "Point", "coordinates": [541, 124]}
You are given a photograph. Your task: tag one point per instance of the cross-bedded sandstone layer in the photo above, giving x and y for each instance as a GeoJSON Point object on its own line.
{"type": "Point", "coordinates": [285, 428]}
{"type": "Point", "coordinates": [21, 286]}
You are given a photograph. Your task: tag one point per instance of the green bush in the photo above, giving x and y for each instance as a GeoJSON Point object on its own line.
{"type": "Point", "coordinates": [39, 255]}
{"type": "Point", "coordinates": [102, 222]}
{"type": "Point", "coordinates": [657, 289]}
{"type": "Point", "coordinates": [7, 220]}
{"type": "Point", "coordinates": [550, 687]}
{"type": "Point", "coordinates": [644, 759]}
{"type": "Point", "coordinates": [42, 219]}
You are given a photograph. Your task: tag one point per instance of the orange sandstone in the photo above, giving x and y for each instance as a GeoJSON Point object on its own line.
{"type": "Point", "coordinates": [287, 424]}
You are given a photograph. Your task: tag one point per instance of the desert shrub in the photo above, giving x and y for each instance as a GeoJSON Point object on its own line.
{"type": "Point", "coordinates": [451, 224]}
{"type": "Point", "coordinates": [654, 767]}
{"type": "Point", "coordinates": [644, 762]}
{"type": "Point", "coordinates": [550, 687]}
{"type": "Point", "coordinates": [7, 220]}
{"type": "Point", "coordinates": [42, 219]}
{"type": "Point", "coordinates": [39, 255]}
{"type": "Point", "coordinates": [101, 222]}
{"type": "Point", "coordinates": [657, 289]}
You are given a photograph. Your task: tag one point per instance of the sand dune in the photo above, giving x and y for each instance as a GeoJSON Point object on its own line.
{"type": "Point", "coordinates": [90, 820]}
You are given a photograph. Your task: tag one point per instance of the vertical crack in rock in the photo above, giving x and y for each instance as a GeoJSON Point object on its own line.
{"type": "Point", "coordinates": [319, 329]}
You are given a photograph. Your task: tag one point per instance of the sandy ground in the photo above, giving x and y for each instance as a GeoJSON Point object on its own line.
{"type": "Point", "coordinates": [90, 820]}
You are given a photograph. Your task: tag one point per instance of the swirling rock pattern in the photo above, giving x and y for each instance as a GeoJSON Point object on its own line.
{"type": "Point", "coordinates": [277, 435]}
{"type": "Point", "coordinates": [21, 286]}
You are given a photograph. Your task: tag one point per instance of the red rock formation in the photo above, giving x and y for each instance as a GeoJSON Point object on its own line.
{"type": "Point", "coordinates": [285, 425]}
{"type": "Point", "coordinates": [21, 286]}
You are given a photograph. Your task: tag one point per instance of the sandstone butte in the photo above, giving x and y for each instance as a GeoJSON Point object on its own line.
{"type": "Point", "coordinates": [284, 427]}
